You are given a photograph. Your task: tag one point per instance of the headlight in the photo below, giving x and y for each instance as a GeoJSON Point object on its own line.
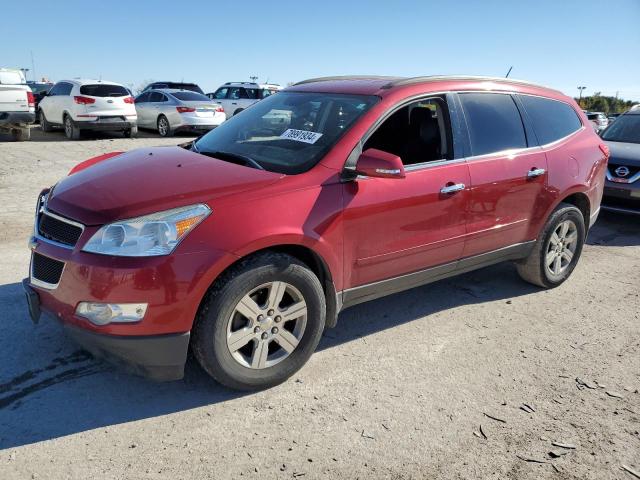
{"type": "Point", "coordinates": [155, 234]}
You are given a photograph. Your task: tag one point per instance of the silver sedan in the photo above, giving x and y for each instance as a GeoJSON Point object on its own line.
{"type": "Point", "coordinates": [169, 111]}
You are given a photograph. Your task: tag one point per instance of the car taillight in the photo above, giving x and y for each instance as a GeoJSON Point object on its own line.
{"type": "Point", "coordinates": [604, 149]}
{"type": "Point", "coordinates": [128, 99]}
{"type": "Point", "coordinates": [219, 109]}
{"type": "Point", "coordinates": [185, 109]}
{"type": "Point", "coordinates": [80, 100]}
{"type": "Point", "coordinates": [31, 99]}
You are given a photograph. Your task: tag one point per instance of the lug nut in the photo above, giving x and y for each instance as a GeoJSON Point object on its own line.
{"type": "Point", "coordinates": [270, 312]}
{"type": "Point", "coordinates": [260, 317]}
{"type": "Point", "coordinates": [274, 330]}
{"type": "Point", "coordinates": [278, 318]}
{"type": "Point", "coordinates": [265, 335]}
{"type": "Point", "coordinates": [256, 330]}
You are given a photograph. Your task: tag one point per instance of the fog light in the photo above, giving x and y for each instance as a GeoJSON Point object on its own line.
{"type": "Point", "coordinates": [105, 313]}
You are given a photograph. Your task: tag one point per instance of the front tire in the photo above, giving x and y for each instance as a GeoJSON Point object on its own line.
{"type": "Point", "coordinates": [557, 250]}
{"type": "Point", "coordinates": [44, 124]}
{"type": "Point", "coordinates": [71, 130]}
{"type": "Point", "coordinates": [260, 322]}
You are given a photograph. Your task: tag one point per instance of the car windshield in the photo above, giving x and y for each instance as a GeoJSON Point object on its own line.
{"type": "Point", "coordinates": [626, 129]}
{"type": "Point", "coordinates": [187, 96]}
{"type": "Point", "coordinates": [289, 132]}
{"type": "Point", "coordinates": [104, 90]}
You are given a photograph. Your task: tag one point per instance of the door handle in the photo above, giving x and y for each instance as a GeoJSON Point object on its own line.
{"type": "Point", "coordinates": [535, 172]}
{"type": "Point", "coordinates": [456, 187]}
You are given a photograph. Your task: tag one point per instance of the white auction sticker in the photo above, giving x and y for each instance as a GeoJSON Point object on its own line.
{"type": "Point", "coordinates": [301, 135]}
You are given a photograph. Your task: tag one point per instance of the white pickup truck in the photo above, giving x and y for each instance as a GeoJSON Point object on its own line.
{"type": "Point", "coordinates": [17, 104]}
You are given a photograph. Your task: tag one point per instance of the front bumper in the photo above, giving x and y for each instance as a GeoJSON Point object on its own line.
{"type": "Point", "coordinates": [159, 357]}
{"type": "Point", "coordinates": [17, 118]}
{"type": "Point", "coordinates": [621, 197]}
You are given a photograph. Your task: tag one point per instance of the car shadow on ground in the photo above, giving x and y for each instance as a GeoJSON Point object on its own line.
{"type": "Point", "coordinates": [57, 135]}
{"type": "Point", "coordinates": [615, 230]}
{"type": "Point", "coordinates": [50, 388]}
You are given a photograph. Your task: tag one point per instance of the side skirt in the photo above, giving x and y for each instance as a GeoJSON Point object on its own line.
{"type": "Point", "coordinates": [371, 291]}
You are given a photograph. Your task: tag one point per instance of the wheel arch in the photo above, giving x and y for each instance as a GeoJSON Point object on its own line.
{"type": "Point", "coordinates": [581, 201]}
{"type": "Point", "coordinates": [312, 259]}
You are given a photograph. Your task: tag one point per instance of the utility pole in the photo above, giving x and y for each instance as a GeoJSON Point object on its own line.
{"type": "Point", "coordinates": [580, 99]}
{"type": "Point", "coordinates": [33, 68]}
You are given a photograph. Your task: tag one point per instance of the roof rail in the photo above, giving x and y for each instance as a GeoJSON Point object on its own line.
{"type": "Point", "coordinates": [438, 78]}
{"type": "Point", "coordinates": [401, 81]}
{"type": "Point", "coordinates": [346, 77]}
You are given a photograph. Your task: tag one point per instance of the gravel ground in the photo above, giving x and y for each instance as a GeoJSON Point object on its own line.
{"type": "Point", "coordinates": [430, 383]}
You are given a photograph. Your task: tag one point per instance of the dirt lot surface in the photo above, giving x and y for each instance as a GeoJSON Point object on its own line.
{"type": "Point", "coordinates": [430, 383]}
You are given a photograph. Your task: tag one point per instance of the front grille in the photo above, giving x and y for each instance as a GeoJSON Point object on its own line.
{"type": "Point", "coordinates": [58, 230]}
{"type": "Point", "coordinates": [632, 170]}
{"type": "Point", "coordinates": [46, 269]}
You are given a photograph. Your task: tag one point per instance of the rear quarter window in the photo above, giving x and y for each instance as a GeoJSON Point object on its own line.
{"type": "Point", "coordinates": [493, 121]}
{"type": "Point", "coordinates": [102, 90]}
{"type": "Point", "coordinates": [552, 119]}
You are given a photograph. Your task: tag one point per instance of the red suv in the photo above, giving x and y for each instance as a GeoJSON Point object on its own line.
{"type": "Point", "coordinates": [246, 243]}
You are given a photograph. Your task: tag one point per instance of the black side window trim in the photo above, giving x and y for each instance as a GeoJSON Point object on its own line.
{"type": "Point", "coordinates": [467, 134]}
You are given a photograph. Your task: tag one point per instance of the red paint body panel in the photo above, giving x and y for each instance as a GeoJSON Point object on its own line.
{"type": "Point", "coordinates": [365, 230]}
{"type": "Point", "coordinates": [93, 161]}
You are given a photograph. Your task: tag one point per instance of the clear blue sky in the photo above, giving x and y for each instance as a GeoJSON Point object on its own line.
{"type": "Point", "coordinates": [560, 43]}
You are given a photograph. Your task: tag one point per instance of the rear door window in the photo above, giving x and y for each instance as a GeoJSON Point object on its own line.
{"type": "Point", "coordinates": [494, 122]}
{"type": "Point", "coordinates": [552, 119]}
{"type": "Point", "coordinates": [104, 90]}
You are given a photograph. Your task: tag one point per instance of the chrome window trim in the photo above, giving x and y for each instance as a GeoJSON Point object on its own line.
{"type": "Point", "coordinates": [434, 163]}
{"type": "Point", "coordinates": [40, 283]}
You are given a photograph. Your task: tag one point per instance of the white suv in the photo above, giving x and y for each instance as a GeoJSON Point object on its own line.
{"type": "Point", "coordinates": [17, 104]}
{"type": "Point", "coordinates": [236, 96]}
{"type": "Point", "coordinates": [82, 104]}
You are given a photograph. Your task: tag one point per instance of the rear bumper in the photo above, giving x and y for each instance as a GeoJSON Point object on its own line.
{"type": "Point", "coordinates": [17, 117]}
{"type": "Point", "coordinates": [159, 357]}
{"type": "Point", "coordinates": [98, 125]}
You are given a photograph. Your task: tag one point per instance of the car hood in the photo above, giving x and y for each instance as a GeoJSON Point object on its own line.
{"type": "Point", "coordinates": [624, 153]}
{"type": "Point", "coordinates": [150, 180]}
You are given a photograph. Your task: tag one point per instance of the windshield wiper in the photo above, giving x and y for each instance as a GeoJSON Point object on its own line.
{"type": "Point", "coordinates": [230, 156]}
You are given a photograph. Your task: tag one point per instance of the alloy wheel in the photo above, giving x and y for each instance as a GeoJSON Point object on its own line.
{"type": "Point", "coordinates": [266, 325]}
{"type": "Point", "coordinates": [68, 128]}
{"type": "Point", "coordinates": [562, 247]}
{"type": "Point", "coordinates": [163, 126]}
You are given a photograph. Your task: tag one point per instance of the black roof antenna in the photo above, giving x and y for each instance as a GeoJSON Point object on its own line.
{"type": "Point", "coordinates": [507, 75]}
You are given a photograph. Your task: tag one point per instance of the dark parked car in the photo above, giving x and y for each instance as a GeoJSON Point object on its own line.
{"type": "Point", "coordinates": [622, 188]}
{"type": "Point", "coordinates": [174, 85]}
{"type": "Point", "coordinates": [39, 90]}
{"type": "Point", "coordinates": [245, 244]}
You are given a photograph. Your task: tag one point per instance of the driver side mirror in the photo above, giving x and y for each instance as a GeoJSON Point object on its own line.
{"type": "Point", "coordinates": [378, 164]}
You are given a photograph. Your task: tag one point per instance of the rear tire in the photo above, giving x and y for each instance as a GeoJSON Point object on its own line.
{"type": "Point", "coordinates": [557, 249]}
{"type": "Point", "coordinates": [263, 298]}
{"type": "Point", "coordinates": [21, 134]}
{"type": "Point", "coordinates": [131, 132]}
{"type": "Point", "coordinates": [71, 130]}
{"type": "Point", "coordinates": [164, 127]}
{"type": "Point", "coordinates": [44, 124]}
